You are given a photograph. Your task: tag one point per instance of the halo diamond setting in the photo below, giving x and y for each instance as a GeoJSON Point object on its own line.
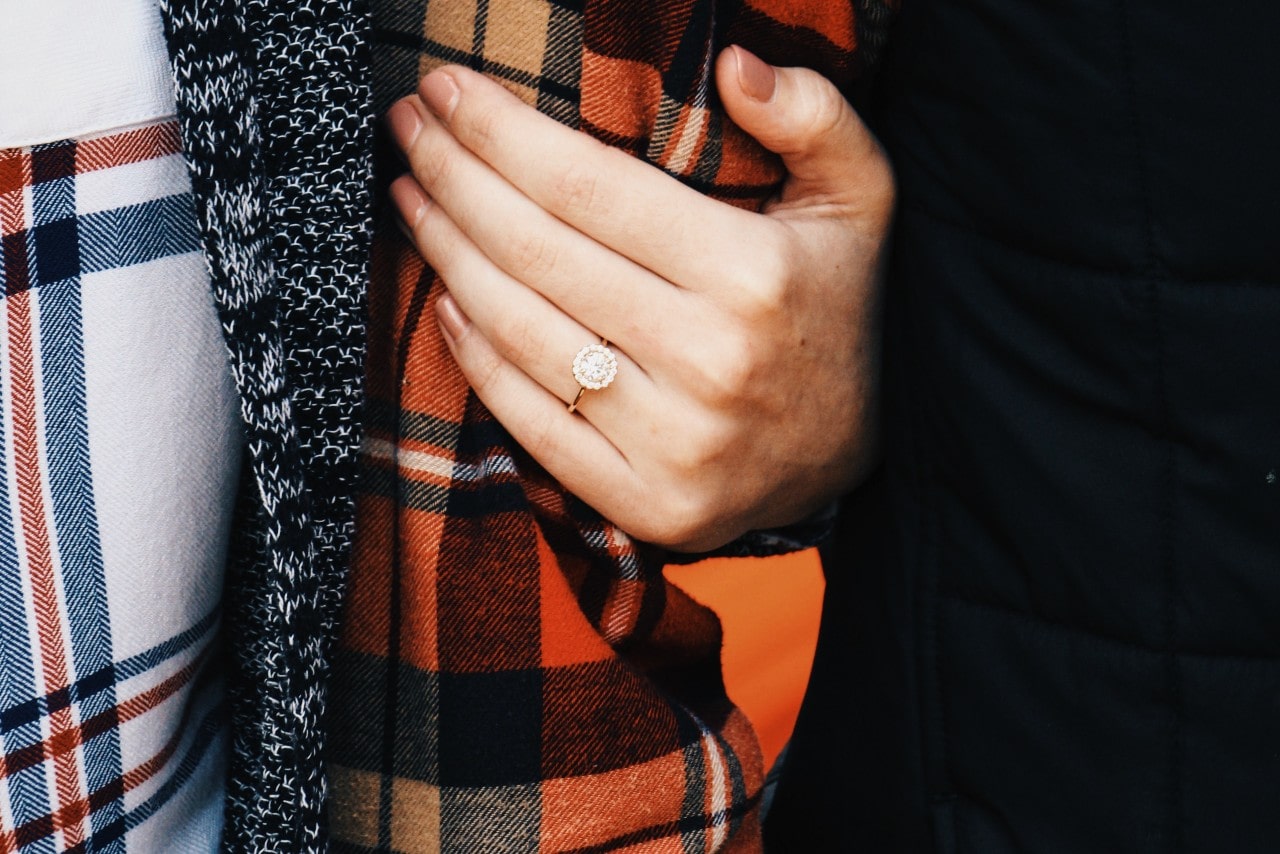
{"type": "Point", "coordinates": [595, 366]}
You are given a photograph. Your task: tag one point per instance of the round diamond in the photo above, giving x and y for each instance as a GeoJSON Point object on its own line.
{"type": "Point", "coordinates": [595, 366]}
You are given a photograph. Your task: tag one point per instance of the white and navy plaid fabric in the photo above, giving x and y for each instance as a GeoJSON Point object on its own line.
{"type": "Point", "coordinates": [118, 460]}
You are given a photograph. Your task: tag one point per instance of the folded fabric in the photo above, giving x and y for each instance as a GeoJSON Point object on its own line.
{"type": "Point", "coordinates": [514, 672]}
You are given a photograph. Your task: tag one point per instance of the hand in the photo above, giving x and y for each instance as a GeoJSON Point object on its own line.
{"type": "Point", "coordinates": [747, 342]}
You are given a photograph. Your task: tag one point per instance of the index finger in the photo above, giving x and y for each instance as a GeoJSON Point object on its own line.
{"type": "Point", "coordinates": [635, 209]}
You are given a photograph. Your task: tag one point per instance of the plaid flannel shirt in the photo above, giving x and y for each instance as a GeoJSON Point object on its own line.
{"type": "Point", "coordinates": [514, 673]}
{"type": "Point", "coordinates": [111, 694]}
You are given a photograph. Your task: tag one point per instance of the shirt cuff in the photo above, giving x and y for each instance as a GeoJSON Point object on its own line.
{"type": "Point", "coordinates": [805, 534]}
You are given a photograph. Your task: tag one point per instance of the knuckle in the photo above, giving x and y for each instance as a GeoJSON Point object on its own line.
{"type": "Point", "coordinates": [480, 125]}
{"type": "Point", "coordinates": [674, 520]}
{"type": "Point", "coordinates": [827, 109]}
{"type": "Point", "coordinates": [438, 251]}
{"type": "Point", "coordinates": [765, 280]}
{"type": "Point", "coordinates": [517, 338]}
{"type": "Point", "coordinates": [726, 377]}
{"type": "Point", "coordinates": [540, 438]}
{"type": "Point", "coordinates": [763, 297]}
{"type": "Point", "coordinates": [689, 523]}
{"type": "Point", "coordinates": [577, 190]}
{"type": "Point", "coordinates": [533, 255]}
{"type": "Point", "coordinates": [699, 452]}
{"type": "Point", "coordinates": [432, 164]}
{"type": "Point", "coordinates": [486, 369]}
{"type": "Point", "coordinates": [684, 515]}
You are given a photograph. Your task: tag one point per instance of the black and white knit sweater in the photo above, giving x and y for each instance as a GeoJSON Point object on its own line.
{"type": "Point", "coordinates": [274, 105]}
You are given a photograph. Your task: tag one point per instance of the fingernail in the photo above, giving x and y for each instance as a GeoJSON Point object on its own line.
{"type": "Point", "coordinates": [405, 123]}
{"type": "Point", "coordinates": [410, 200]}
{"type": "Point", "coordinates": [755, 77]}
{"type": "Point", "coordinates": [452, 321]}
{"type": "Point", "coordinates": [440, 91]}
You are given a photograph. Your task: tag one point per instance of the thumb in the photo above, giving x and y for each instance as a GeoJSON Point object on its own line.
{"type": "Point", "coordinates": [797, 113]}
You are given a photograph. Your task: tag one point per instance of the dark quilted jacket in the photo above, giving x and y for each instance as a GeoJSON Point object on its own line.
{"type": "Point", "coordinates": [1053, 623]}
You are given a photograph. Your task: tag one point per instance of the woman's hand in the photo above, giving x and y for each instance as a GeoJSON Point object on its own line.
{"type": "Point", "coordinates": [747, 343]}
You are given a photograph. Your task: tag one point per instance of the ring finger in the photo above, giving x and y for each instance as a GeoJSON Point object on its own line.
{"type": "Point", "coordinates": [521, 325]}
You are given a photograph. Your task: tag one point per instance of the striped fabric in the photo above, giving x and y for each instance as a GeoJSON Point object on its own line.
{"type": "Point", "coordinates": [515, 674]}
{"type": "Point", "coordinates": [113, 515]}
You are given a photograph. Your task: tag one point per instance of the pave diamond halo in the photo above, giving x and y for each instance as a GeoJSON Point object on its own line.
{"type": "Point", "coordinates": [595, 367]}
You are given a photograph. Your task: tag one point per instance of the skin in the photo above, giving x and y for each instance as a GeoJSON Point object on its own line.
{"type": "Point", "coordinates": [748, 343]}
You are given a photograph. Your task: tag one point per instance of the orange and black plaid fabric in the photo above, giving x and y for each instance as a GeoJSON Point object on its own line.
{"type": "Point", "coordinates": [514, 673]}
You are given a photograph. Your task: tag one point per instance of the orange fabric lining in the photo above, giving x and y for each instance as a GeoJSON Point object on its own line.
{"type": "Point", "coordinates": [770, 608]}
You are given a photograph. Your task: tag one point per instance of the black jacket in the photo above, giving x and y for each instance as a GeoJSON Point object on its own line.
{"type": "Point", "coordinates": [1053, 621]}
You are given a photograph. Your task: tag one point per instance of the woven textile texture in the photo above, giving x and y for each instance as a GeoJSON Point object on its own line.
{"type": "Point", "coordinates": [514, 673]}
{"type": "Point", "coordinates": [111, 696]}
{"type": "Point", "coordinates": [274, 108]}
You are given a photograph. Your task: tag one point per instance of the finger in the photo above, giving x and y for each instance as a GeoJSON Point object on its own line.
{"type": "Point", "coordinates": [567, 446]}
{"type": "Point", "coordinates": [800, 115]}
{"type": "Point", "coordinates": [608, 293]}
{"type": "Point", "coordinates": [629, 206]}
{"type": "Point", "coordinates": [518, 323]}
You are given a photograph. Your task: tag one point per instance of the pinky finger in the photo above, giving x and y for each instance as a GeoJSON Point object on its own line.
{"type": "Point", "coordinates": [566, 445]}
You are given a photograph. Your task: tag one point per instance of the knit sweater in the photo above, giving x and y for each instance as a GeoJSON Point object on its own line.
{"type": "Point", "coordinates": [274, 109]}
